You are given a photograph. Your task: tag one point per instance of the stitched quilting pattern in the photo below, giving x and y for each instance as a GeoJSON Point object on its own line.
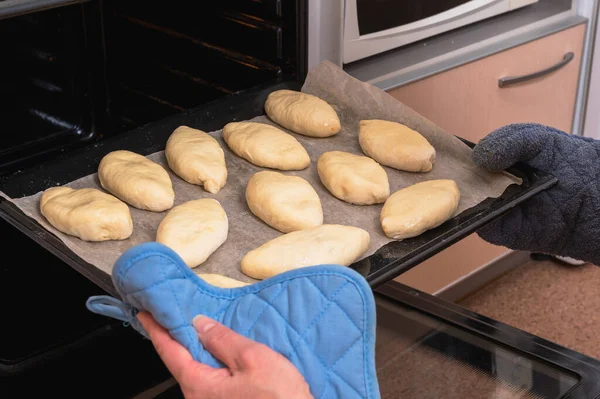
{"type": "Point", "coordinates": [321, 318]}
{"type": "Point", "coordinates": [563, 220]}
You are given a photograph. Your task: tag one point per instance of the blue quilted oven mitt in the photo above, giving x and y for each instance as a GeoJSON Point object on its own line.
{"type": "Point", "coordinates": [564, 220]}
{"type": "Point", "coordinates": [321, 318]}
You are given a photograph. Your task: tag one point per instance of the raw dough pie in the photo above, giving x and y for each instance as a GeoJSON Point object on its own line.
{"type": "Point", "coordinates": [265, 145]}
{"type": "Point", "coordinates": [326, 244]}
{"type": "Point", "coordinates": [355, 179]}
{"type": "Point", "coordinates": [415, 209]}
{"type": "Point", "coordinates": [194, 230]}
{"type": "Point", "coordinates": [395, 145]}
{"type": "Point", "coordinates": [86, 213]}
{"type": "Point", "coordinates": [218, 280]}
{"type": "Point", "coordinates": [197, 158]}
{"type": "Point", "coordinates": [136, 180]}
{"type": "Point", "coordinates": [286, 203]}
{"type": "Point", "coordinates": [302, 113]}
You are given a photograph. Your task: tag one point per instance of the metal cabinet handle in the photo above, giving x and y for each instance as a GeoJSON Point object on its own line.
{"type": "Point", "coordinates": [512, 80]}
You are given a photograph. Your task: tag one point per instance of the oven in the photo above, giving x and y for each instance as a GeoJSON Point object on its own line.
{"type": "Point", "coordinates": [80, 77]}
{"type": "Point", "coordinates": [77, 72]}
{"type": "Point", "coordinates": [73, 75]}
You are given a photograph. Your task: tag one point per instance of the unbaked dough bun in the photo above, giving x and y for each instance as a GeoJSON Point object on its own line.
{"type": "Point", "coordinates": [395, 145]}
{"type": "Point", "coordinates": [218, 280]}
{"type": "Point", "coordinates": [413, 210]}
{"type": "Point", "coordinates": [286, 203]}
{"type": "Point", "coordinates": [136, 180]}
{"type": "Point", "coordinates": [197, 158]}
{"type": "Point", "coordinates": [302, 113]}
{"type": "Point", "coordinates": [326, 244]}
{"type": "Point", "coordinates": [265, 145]}
{"type": "Point", "coordinates": [355, 179]}
{"type": "Point", "coordinates": [194, 230]}
{"type": "Point", "coordinates": [87, 213]}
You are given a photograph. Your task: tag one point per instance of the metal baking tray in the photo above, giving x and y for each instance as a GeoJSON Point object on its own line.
{"type": "Point", "coordinates": [387, 263]}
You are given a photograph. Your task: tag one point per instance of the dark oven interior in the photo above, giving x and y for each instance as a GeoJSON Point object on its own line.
{"type": "Point", "coordinates": [82, 72]}
{"type": "Point", "coordinates": [85, 71]}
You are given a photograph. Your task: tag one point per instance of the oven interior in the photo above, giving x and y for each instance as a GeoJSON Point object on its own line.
{"type": "Point", "coordinates": [80, 73]}
{"type": "Point", "coordinates": [83, 72]}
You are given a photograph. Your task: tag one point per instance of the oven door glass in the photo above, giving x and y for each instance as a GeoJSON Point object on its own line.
{"type": "Point", "coordinates": [379, 15]}
{"type": "Point", "coordinates": [419, 356]}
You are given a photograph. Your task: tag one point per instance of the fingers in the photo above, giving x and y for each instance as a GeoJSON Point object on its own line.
{"type": "Point", "coordinates": [513, 143]}
{"type": "Point", "coordinates": [503, 231]}
{"type": "Point", "coordinates": [528, 227]}
{"type": "Point", "coordinates": [173, 354]}
{"type": "Point", "coordinates": [233, 349]}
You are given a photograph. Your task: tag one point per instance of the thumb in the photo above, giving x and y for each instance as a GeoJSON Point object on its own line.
{"type": "Point", "coordinates": [518, 142]}
{"type": "Point", "coordinates": [231, 348]}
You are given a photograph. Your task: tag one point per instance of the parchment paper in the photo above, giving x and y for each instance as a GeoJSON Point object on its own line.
{"type": "Point", "coordinates": [353, 100]}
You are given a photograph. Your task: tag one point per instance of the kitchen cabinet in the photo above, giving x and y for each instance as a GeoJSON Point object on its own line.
{"type": "Point", "coordinates": [468, 102]}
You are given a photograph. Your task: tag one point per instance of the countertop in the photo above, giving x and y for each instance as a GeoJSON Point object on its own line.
{"type": "Point", "coordinates": [428, 57]}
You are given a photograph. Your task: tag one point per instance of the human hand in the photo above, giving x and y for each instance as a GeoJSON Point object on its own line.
{"type": "Point", "coordinates": [253, 369]}
{"type": "Point", "coordinates": [564, 220]}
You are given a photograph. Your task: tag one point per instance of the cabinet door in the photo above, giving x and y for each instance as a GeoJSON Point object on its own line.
{"type": "Point", "coordinates": [468, 102]}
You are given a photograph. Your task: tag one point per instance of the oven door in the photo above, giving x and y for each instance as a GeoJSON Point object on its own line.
{"type": "Point", "coordinates": [429, 348]}
{"type": "Point", "coordinates": [372, 27]}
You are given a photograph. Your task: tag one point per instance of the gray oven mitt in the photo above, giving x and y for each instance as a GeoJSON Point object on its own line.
{"type": "Point", "coordinates": [565, 220]}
